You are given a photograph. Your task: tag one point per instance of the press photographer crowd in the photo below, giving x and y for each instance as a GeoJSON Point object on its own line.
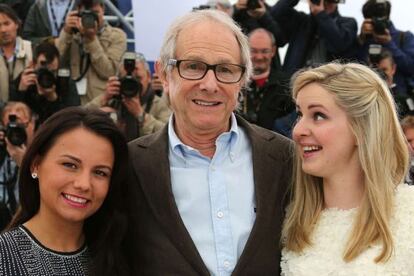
{"type": "Point", "coordinates": [62, 53]}
{"type": "Point", "coordinates": [59, 55]}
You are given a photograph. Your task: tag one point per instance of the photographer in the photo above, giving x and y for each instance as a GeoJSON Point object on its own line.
{"type": "Point", "coordinates": [14, 139]}
{"type": "Point", "coordinates": [253, 14]}
{"type": "Point", "coordinates": [321, 36]}
{"type": "Point", "coordinates": [41, 86]}
{"type": "Point", "coordinates": [45, 19]}
{"type": "Point", "coordinates": [16, 53]}
{"type": "Point", "coordinates": [377, 28]}
{"type": "Point", "coordinates": [267, 98]}
{"type": "Point", "coordinates": [91, 47]}
{"type": "Point", "coordinates": [138, 109]}
{"type": "Point", "coordinates": [382, 60]}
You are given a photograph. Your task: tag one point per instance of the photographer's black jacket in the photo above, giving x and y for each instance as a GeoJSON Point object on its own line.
{"type": "Point", "coordinates": [337, 32]}
{"type": "Point", "coordinates": [263, 105]}
{"type": "Point", "coordinates": [67, 96]}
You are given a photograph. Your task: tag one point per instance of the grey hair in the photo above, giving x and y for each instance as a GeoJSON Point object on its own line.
{"type": "Point", "coordinates": [169, 44]}
{"type": "Point", "coordinates": [262, 30]}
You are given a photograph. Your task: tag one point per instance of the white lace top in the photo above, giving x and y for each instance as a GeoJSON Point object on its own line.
{"type": "Point", "coordinates": [332, 233]}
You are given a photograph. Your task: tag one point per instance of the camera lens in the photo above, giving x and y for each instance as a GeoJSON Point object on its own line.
{"type": "Point", "coordinates": [130, 87]}
{"type": "Point", "coordinates": [88, 19]}
{"type": "Point", "coordinates": [45, 78]}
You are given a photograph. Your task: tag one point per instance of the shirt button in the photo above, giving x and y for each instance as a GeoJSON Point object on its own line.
{"type": "Point", "coordinates": [220, 214]}
{"type": "Point", "coordinates": [226, 264]}
{"type": "Point", "coordinates": [213, 168]}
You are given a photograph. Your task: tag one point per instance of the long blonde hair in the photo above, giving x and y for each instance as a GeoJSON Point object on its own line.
{"type": "Point", "coordinates": [382, 152]}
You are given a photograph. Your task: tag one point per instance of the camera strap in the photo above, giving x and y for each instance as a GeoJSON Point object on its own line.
{"type": "Point", "coordinates": [85, 61]}
{"type": "Point", "coordinates": [52, 9]}
{"type": "Point", "coordinates": [149, 103]}
{"type": "Point", "coordinates": [10, 70]}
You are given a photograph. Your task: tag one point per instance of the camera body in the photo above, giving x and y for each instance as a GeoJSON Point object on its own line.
{"type": "Point", "coordinates": [202, 7]}
{"type": "Point", "coordinates": [253, 4]}
{"type": "Point", "coordinates": [89, 18]}
{"type": "Point", "coordinates": [15, 132]}
{"type": "Point", "coordinates": [374, 53]}
{"type": "Point", "coordinates": [130, 85]}
{"type": "Point", "coordinates": [317, 2]}
{"type": "Point", "coordinates": [380, 24]}
{"type": "Point", "coordinates": [378, 11]}
{"type": "Point", "coordinates": [45, 78]}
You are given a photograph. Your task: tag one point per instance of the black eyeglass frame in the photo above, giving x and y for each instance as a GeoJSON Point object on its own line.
{"type": "Point", "coordinates": [176, 63]}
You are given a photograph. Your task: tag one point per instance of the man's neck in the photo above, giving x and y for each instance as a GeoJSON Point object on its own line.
{"type": "Point", "coordinates": [202, 140]}
{"type": "Point", "coordinates": [8, 49]}
{"type": "Point", "coordinates": [263, 75]}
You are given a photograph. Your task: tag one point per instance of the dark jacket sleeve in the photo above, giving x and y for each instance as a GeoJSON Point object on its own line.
{"type": "Point", "coordinates": [288, 18]}
{"type": "Point", "coordinates": [248, 24]}
{"type": "Point", "coordinates": [404, 55]}
{"type": "Point", "coordinates": [34, 29]}
{"type": "Point", "coordinates": [339, 32]}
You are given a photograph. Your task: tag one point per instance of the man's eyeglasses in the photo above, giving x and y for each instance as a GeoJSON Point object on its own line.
{"type": "Point", "coordinates": [196, 70]}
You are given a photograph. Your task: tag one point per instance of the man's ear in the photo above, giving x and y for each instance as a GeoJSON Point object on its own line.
{"type": "Point", "coordinates": [162, 75]}
{"type": "Point", "coordinates": [274, 50]}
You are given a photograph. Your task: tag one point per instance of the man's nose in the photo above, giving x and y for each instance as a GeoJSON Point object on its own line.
{"type": "Point", "coordinates": [209, 82]}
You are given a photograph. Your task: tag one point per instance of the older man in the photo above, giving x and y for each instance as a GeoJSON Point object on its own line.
{"type": "Point", "coordinates": [268, 97]}
{"type": "Point", "coordinates": [208, 190]}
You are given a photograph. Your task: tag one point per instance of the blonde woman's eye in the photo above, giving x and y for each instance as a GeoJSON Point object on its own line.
{"type": "Point", "coordinates": [318, 116]}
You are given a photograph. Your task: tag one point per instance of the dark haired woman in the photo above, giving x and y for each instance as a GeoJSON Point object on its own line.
{"type": "Point", "coordinates": [70, 220]}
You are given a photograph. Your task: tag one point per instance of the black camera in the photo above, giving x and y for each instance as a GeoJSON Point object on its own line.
{"type": "Point", "coordinates": [130, 85]}
{"type": "Point", "coordinates": [378, 11]}
{"type": "Point", "coordinates": [89, 19]}
{"type": "Point", "coordinates": [202, 7]}
{"type": "Point", "coordinates": [317, 2]}
{"type": "Point", "coordinates": [374, 54]}
{"type": "Point", "coordinates": [45, 77]}
{"type": "Point", "coordinates": [253, 4]}
{"type": "Point", "coordinates": [380, 24]}
{"type": "Point", "coordinates": [15, 132]}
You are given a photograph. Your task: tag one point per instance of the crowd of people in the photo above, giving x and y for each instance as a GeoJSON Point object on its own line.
{"type": "Point", "coordinates": [224, 161]}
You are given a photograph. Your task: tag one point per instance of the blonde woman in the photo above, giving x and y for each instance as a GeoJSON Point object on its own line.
{"type": "Point", "coordinates": [349, 213]}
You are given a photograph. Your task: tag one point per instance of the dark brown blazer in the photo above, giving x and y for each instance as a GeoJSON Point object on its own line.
{"type": "Point", "coordinates": [158, 240]}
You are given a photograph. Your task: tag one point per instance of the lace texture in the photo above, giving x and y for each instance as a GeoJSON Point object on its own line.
{"type": "Point", "coordinates": [331, 233]}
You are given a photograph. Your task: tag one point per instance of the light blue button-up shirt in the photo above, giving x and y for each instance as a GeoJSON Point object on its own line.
{"type": "Point", "coordinates": [59, 9]}
{"type": "Point", "coordinates": [215, 197]}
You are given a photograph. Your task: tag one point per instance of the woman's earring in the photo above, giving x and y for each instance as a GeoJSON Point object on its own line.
{"type": "Point", "coordinates": [34, 175]}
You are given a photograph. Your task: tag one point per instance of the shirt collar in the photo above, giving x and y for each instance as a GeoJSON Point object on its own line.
{"type": "Point", "coordinates": [16, 48]}
{"type": "Point", "coordinates": [231, 137]}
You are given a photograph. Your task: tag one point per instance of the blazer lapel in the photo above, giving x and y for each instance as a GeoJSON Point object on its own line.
{"type": "Point", "coordinates": [158, 191]}
{"type": "Point", "coordinates": [264, 176]}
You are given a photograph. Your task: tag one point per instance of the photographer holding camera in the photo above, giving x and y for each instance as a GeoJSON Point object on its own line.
{"type": "Point", "coordinates": [253, 14]}
{"type": "Point", "coordinates": [321, 36]}
{"type": "Point", "coordinates": [15, 136]}
{"type": "Point", "coordinates": [91, 47]}
{"type": "Point", "coordinates": [377, 28]}
{"type": "Point", "coordinates": [45, 19]}
{"type": "Point", "coordinates": [139, 110]}
{"type": "Point", "coordinates": [44, 87]}
{"type": "Point", "coordinates": [16, 53]}
{"type": "Point", "coordinates": [382, 60]}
